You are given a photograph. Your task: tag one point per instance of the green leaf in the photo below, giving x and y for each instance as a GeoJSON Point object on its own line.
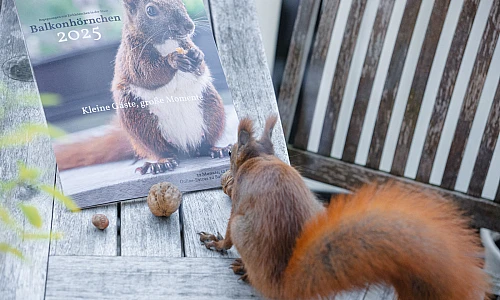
{"type": "Point", "coordinates": [67, 201]}
{"type": "Point", "coordinates": [5, 217]}
{"type": "Point", "coordinates": [26, 173]}
{"type": "Point", "coordinates": [41, 236]}
{"type": "Point", "coordinates": [6, 186]}
{"type": "Point", "coordinates": [50, 99]}
{"type": "Point", "coordinates": [31, 213]}
{"type": "Point", "coordinates": [27, 132]}
{"type": "Point", "coordinates": [6, 248]}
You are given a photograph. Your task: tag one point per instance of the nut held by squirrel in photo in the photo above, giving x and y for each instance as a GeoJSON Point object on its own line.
{"type": "Point", "coordinates": [164, 199]}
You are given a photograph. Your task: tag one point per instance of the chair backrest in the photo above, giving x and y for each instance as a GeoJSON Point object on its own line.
{"type": "Point", "coordinates": [429, 57]}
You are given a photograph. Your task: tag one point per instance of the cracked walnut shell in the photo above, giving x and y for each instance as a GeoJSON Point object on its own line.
{"type": "Point", "coordinates": [164, 199]}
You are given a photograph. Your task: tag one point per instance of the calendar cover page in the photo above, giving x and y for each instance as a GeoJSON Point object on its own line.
{"type": "Point", "coordinates": [141, 94]}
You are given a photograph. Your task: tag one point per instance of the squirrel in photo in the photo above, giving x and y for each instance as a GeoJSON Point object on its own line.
{"type": "Point", "coordinates": [156, 60]}
{"type": "Point", "coordinates": [292, 247]}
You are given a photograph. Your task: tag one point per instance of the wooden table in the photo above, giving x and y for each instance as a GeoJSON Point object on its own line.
{"type": "Point", "coordinates": [138, 256]}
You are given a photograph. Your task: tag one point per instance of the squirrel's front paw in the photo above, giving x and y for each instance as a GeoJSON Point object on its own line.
{"type": "Point", "coordinates": [227, 182]}
{"type": "Point", "coordinates": [213, 242]}
{"type": "Point", "coordinates": [220, 152]}
{"type": "Point", "coordinates": [189, 62]}
{"type": "Point", "coordinates": [161, 166]}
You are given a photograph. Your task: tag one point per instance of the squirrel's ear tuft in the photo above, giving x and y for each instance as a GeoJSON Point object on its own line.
{"type": "Point", "coordinates": [245, 131]}
{"type": "Point", "coordinates": [130, 5]}
{"type": "Point", "coordinates": [268, 129]}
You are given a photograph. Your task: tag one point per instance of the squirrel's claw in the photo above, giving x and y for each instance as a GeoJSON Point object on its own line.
{"type": "Point", "coordinates": [162, 166]}
{"type": "Point", "coordinates": [220, 152]}
{"type": "Point", "coordinates": [212, 242]}
{"type": "Point", "coordinates": [238, 267]}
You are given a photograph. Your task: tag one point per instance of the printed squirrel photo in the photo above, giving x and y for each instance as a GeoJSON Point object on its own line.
{"type": "Point", "coordinates": [292, 247]}
{"type": "Point", "coordinates": [156, 60]}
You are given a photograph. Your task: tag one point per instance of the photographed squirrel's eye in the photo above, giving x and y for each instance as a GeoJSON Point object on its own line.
{"type": "Point", "coordinates": [152, 11]}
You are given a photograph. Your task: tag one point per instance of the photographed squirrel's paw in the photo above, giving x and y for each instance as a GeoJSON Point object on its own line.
{"type": "Point", "coordinates": [196, 56]}
{"type": "Point", "coordinates": [212, 242]}
{"type": "Point", "coordinates": [220, 152]}
{"type": "Point", "coordinates": [162, 166]}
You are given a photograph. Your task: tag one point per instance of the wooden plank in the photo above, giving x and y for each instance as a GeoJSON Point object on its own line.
{"type": "Point", "coordinates": [425, 60]}
{"type": "Point", "coordinates": [88, 277]}
{"type": "Point", "coordinates": [22, 279]}
{"type": "Point", "coordinates": [472, 96]}
{"type": "Point", "coordinates": [446, 88]}
{"type": "Point", "coordinates": [365, 86]}
{"type": "Point", "coordinates": [80, 236]}
{"type": "Point", "coordinates": [296, 61]}
{"type": "Point", "coordinates": [349, 176]}
{"type": "Point", "coordinates": [207, 212]}
{"type": "Point", "coordinates": [243, 59]}
{"type": "Point", "coordinates": [485, 153]}
{"type": "Point", "coordinates": [380, 292]}
{"type": "Point", "coordinates": [143, 234]}
{"type": "Point", "coordinates": [391, 86]}
{"type": "Point", "coordinates": [314, 72]}
{"type": "Point", "coordinates": [340, 76]}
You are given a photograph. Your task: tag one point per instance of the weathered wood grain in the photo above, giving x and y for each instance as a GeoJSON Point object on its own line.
{"type": "Point", "coordinates": [208, 212]}
{"type": "Point", "coordinates": [485, 153]}
{"type": "Point", "coordinates": [86, 277]}
{"type": "Point", "coordinates": [22, 279]}
{"type": "Point", "coordinates": [379, 293]}
{"type": "Point", "coordinates": [243, 59]}
{"type": "Point", "coordinates": [417, 90]}
{"type": "Point", "coordinates": [349, 176]}
{"type": "Point", "coordinates": [472, 97]}
{"type": "Point", "coordinates": [81, 237]}
{"type": "Point", "coordinates": [392, 81]}
{"type": "Point", "coordinates": [143, 234]}
{"type": "Point", "coordinates": [365, 86]}
{"type": "Point", "coordinates": [340, 76]}
{"type": "Point", "coordinates": [497, 196]}
{"type": "Point", "coordinates": [314, 72]}
{"type": "Point", "coordinates": [296, 61]}
{"type": "Point", "coordinates": [446, 88]}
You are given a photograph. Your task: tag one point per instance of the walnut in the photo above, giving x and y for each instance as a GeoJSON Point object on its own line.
{"type": "Point", "coordinates": [100, 221]}
{"type": "Point", "coordinates": [164, 199]}
{"type": "Point", "coordinates": [227, 182]}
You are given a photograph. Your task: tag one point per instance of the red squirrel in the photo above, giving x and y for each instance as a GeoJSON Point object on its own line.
{"type": "Point", "coordinates": [292, 247]}
{"type": "Point", "coordinates": [155, 61]}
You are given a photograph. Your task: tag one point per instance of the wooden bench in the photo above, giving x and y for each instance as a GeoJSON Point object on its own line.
{"type": "Point", "coordinates": [303, 91]}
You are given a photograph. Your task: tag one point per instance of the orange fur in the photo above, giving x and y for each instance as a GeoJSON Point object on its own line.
{"type": "Point", "coordinates": [294, 248]}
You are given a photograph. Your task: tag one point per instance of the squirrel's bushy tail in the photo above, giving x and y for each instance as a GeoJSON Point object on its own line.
{"type": "Point", "coordinates": [415, 241]}
{"type": "Point", "coordinates": [113, 145]}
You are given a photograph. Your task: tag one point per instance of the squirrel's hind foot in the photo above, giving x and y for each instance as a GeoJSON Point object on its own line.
{"type": "Point", "coordinates": [238, 267]}
{"type": "Point", "coordinates": [212, 242]}
{"type": "Point", "coordinates": [161, 166]}
{"type": "Point", "coordinates": [220, 152]}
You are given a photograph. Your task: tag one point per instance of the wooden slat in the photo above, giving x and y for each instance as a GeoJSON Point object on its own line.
{"type": "Point", "coordinates": [349, 176]}
{"type": "Point", "coordinates": [296, 61]}
{"type": "Point", "coordinates": [472, 96]}
{"type": "Point", "coordinates": [22, 279]}
{"type": "Point", "coordinates": [488, 143]}
{"type": "Point", "coordinates": [432, 35]}
{"type": "Point", "coordinates": [143, 234]}
{"type": "Point", "coordinates": [239, 43]}
{"type": "Point", "coordinates": [207, 212]}
{"type": "Point", "coordinates": [87, 277]}
{"type": "Point", "coordinates": [365, 86]}
{"type": "Point", "coordinates": [243, 59]}
{"type": "Point", "coordinates": [314, 72]}
{"type": "Point", "coordinates": [340, 77]}
{"type": "Point", "coordinates": [392, 82]}
{"type": "Point", "coordinates": [80, 236]}
{"type": "Point", "coordinates": [446, 88]}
